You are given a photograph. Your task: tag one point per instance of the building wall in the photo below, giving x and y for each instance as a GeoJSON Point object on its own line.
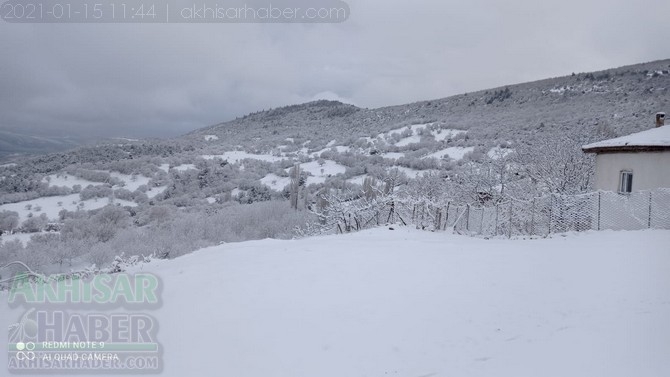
{"type": "Point", "coordinates": [650, 170]}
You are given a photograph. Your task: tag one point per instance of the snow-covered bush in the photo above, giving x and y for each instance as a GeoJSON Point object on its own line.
{"type": "Point", "coordinates": [9, 221]}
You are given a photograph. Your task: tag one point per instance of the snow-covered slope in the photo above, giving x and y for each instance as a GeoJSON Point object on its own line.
{"type": "Point", "coordinates": [411, 303]}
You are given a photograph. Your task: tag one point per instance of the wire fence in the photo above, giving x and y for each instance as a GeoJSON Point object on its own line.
{"type": "Point", "coordinates": [548, 214]}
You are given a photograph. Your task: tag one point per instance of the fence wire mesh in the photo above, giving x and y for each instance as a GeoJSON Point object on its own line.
{"type": "Point", "coordinates": [547, 214]}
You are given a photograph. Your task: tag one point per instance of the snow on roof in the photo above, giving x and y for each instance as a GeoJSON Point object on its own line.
{"type": "Point", "coordinates": [654, 138]}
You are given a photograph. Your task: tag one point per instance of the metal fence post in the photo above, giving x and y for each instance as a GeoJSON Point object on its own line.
{"type": "Point", "coordinates": [532, 219]}
{"type": "Point", "coordinates": [438, 216]}
{"type": "Point", "coordinates": [496, 228]}
{"type": "Point", "coordinates": [551, 210]}
{"type": "Point", "coordinates": [573, 212]}
{"type": "Point", "coordinates": [649, 221]}
{"type": "Point", "coordinates": [599, 207]}
{"type": "Point", "coordinates": [509, 234]}
{"type": "Point", "coordinates": [481, 223]}
{"type": "Point", "coordinates": [446, 219]}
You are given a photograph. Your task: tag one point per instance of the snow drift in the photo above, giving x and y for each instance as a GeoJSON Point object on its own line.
{"type": "Point", "coordinates": [409, 303]}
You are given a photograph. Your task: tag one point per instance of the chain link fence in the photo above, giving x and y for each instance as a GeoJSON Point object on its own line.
{"type": "Point", "coordinates": [548, 214]}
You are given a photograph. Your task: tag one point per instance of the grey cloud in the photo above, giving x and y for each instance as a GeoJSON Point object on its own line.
{"type": "Point", "coordinates": [163, 80]}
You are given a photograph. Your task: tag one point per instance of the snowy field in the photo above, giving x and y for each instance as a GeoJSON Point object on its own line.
{"type": "Point", "coordinates": [393, 155]}
{"type": "Point", "coordinates": [275, 182]}
{"type": "Point", "coordinates": [411, 303]}
{"type": "Point", "coordinates": [408, 140]}
{"type": "Point", "coordinates": [236, 156]}
{"type": "Point", "coordinates": [319, 172]}
{"type": "Point", "coordinates": [446, 133]}
{"type": "Point", "coordinates": [23, 237]}
{"type": "Point", "coordinates": [184, 167]}
{"type": "Point", "coordinates": [67, 180]}
{"type": "Point", "coordinates": [52, 205]}
{"type": "Point", "coordinates": [456, 153]}
{"type": "Point", "coordinates": [132, 182]}
{"type": "Point", "coordinates": [337, 148]}
{"type": "Point", "coordinates": [411, 173]}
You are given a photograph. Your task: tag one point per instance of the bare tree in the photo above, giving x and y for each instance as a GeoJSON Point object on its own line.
{"type": "Point", "coordinates": [556, 165]}
{"type": "Point", "coordinates": [294, 186]}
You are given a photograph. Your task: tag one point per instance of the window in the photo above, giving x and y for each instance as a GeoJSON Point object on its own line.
{"type": "Point", "coordinates": [626, 182]}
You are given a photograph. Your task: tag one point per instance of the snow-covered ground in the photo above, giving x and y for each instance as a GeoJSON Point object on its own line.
{"type": "Point", "coordinates": [408, 140]}
{"type": "Point", "coordinates": [52, 205]}
{"type": "Point", "coordinates": [414, 129]}
{"type": "Point", "coordinates": [393, 155]}
{"type": "Point", "coordinates": [275, 182]}
{"type": "Point", "coordinates": [68, 180]}
{"type": "Point", "coordinates": [22, 237]}
{"type": "Point", "coordinates": [338, 148]}
{"type": "Point", "coordinates": [184, 167]}
{"type": "Point", "coordinates": [413, 303]}
{"type": "Point", "coordinates": [152, 192]}
{"type": "Point", "coordinates": [132, 182]}
{"type": "Point", "coordinates": [396, 131]}
{"type": "Point", "coordinates": [409, 172]}
{"type": "Point", "coordinates": [319, 172]}
{"type": "Point", "coordinates": [237, 156]}
{"type": "Point", "coordinates": [414, 136]}
{"type": "Point", "coordinates": [446, 133]}
{"type": "Point", "coordinates": [456, 153]}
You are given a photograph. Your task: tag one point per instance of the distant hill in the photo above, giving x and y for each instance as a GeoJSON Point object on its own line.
{"type": "Point", "coordinates": [592, 105]}
{"type": "Point", "coordinates": [14, 144]}
{"type": "Point", "coordinates": [605, 103]}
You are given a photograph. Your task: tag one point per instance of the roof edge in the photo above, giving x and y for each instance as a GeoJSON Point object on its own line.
{"type": "Point", "coordinates": [626, 148]}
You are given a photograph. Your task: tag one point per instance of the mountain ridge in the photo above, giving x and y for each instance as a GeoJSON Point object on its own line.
{"type": "Point", "coordinates": [607, 103]}
{"type": "Point", "coordinates": [620, 100]}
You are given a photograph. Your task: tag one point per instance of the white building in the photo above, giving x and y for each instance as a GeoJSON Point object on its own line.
{"type": "Point", "coordinates": [640, 161]}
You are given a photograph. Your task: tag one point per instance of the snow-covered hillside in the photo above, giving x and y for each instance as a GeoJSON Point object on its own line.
{"type": "Point", "coordinates": [408, 303]}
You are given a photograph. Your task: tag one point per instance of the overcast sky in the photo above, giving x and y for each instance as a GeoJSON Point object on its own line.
{"type": "Point", "coordinates": [167, 79]}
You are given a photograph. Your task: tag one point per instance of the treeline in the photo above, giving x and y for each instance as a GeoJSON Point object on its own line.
{"type": "Point", "coordinates": [166, 231]}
